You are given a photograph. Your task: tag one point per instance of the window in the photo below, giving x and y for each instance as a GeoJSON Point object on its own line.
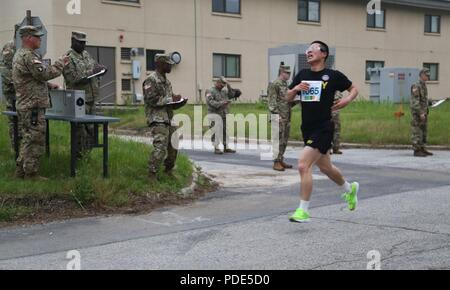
{"type": "Point", "coordinates": [125, 53]}
{"type": "Point", "coordinates": [151, 66]}
{"type": "Point", "coordinates": [126, 85]}
{"type": "Point", "coordinates": [377, 20]}
{"type": "Point", "coordinates": [129, 1]}
{"type": "Point", "coordinates": [432, 24]}
{"type": "Point", "coordinates": [434, 70]}
{"type": "Point", "coordinates": [227, 6]}
{"type": "Point", "coordinates": [373, 64]}
{"type": "Point", "coordinates": [226, 65]}
{"type": "Point", "coordinates": [309, 10]}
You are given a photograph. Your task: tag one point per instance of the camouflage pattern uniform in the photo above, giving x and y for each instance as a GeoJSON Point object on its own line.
{"type": "Point", "coordinates": [75, 73]}
{"type": "Point", "coordinates": [336, 119]}
{"type": "Point", "coordinates": [9, 92]}
{"type": "Point", "coordinates": [419, 106]}
{"type": "Point", "coordinates": [276, 94]}
{"type": "Point", "coordinates": [216, 101]}
{"type": "Point", "coordinates": [157, 95]}
{"type": "Point", "coordinates": [30, 78]}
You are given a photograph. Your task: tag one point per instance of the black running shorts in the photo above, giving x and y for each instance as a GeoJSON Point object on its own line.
{"type": "Point", "coordinates": [320, 137]}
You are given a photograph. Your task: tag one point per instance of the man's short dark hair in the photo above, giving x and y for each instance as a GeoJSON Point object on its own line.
{"type": "Point", "coordinates": [323, 47]}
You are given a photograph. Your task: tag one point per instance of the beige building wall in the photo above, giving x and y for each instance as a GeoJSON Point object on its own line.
{"type": "Point", "coordinates": [191, 28]}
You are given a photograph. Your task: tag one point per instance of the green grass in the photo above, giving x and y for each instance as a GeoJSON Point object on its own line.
{"type": "Point", "coordinates": [362, 122]}
{"type": "Point", "coordinates": [127, 184]}
{"type": "Point", "coordinates": [9, 213]}
{"type": "Point", "coordinates": [370, 123]}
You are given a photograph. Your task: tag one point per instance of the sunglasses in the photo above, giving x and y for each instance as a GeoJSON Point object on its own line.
{"type": "Point", "coordinates": [313, 48]}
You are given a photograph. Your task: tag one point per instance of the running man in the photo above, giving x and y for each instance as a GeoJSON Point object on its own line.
{"type": "Point", "coordinates": [316, 88]}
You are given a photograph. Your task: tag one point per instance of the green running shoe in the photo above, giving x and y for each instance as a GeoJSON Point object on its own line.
{"type": "Point", "coordinates": [352, 197]}
{"type": "Point", "coordinates": [300, 216]}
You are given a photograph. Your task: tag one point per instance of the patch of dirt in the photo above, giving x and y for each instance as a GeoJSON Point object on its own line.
{"type": "Point", "coordinates": [46, 211]}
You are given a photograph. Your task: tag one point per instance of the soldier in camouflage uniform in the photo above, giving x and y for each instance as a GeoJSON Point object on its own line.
{"type": "Point", "coordinates": [419, 113]}
{"type": "Point", "coordinates": [218, 101]}
{"type": "Point", "coordinates": [336, 119]}
{"type": "Point", "coordinates": [9, 92]}
{"type": "Point", "coordinates": [82, 65]}
{"type": "Point", "coordinates": [278, 105]}
{"type": "Point", "coordinates": [158, 96]}
{"type": "Point", "coordinates": [30, 76]}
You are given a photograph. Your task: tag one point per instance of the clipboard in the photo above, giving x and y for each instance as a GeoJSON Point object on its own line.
{"type": "Point", "coordinates": [177, 103]}
{"type": "Point", "coordinates": [100, 73]}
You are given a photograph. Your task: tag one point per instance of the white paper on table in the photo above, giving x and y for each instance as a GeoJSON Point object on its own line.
{"type": "Point", "coordinates": [438, 103]}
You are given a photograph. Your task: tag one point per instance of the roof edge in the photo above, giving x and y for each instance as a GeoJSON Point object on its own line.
{"type": "Point", "coordinates": [433, 4]}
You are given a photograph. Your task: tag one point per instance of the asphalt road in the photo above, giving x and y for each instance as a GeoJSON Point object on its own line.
{"type": "Point", "coordinates": [403, 215]}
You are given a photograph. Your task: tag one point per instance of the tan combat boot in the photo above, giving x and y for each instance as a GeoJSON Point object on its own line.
{"type": "Point", "coordinates": [337, 151]}
{"type": "Point", "coordinates": [35, 177]}
{"type": "Point", "coordinates": [152, 176]}
{"type": "Point", "coordinates": [19, 173]}
{"type": "Point", "coordinates": [427, 152]}
{"type": "Point", "coordinates": [278, 166]}
{"type": "Point", "coordinates": [420, 153]}
{"type": "Point", "coordinates": [170, 174]}
{"type": "Point", "coordinates": [228, 150]}
{"type": "Point", "coordinates": [286, 166]}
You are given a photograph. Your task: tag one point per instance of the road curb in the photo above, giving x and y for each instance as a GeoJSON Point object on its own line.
{"type": "Point", "coordinates": [189, 190]}
{"type": "Point", "coordinates": [375, 146]}
{"type": "Point", "coordinates": [301, 144]}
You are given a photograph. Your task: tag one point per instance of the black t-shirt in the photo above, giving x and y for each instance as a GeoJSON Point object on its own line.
{"type": "Point", "coordinates": [317, 113]}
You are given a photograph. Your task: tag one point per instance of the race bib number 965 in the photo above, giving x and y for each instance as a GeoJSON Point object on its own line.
{"type": "Point", "coordinates": [314, 92]}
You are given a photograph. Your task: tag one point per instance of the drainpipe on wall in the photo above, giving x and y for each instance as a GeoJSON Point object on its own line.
{"type": "Point", "coordinates": [198, 90]}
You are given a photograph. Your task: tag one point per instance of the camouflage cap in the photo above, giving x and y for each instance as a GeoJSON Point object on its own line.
{"type": "Point", "coordinates": [80, 36]}
{"type": "Point", "coordinates": [8, 51]}
{"type": "Point", "coordinates": [223, 80]}
{"type": "Point", "coordinates": [30, 31]}
{"type": "Point", "coordinates": [164, 58]}
{"type": "Point", "coordinates": [285, 68]}
{"type": "Point", "coordinates": [425, 71]}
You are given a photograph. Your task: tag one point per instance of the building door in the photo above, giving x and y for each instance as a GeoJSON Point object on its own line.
{"type": "Point", "coordinates": [107, 57]}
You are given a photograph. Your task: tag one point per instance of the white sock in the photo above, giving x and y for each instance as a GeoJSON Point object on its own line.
{"type": "Point", "coordinates": [347, 187]}
{"type": "Point", "coordinates": [304, 205]}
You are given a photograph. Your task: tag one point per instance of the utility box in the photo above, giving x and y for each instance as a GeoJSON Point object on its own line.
{"type": "Point", "coordinates": [137, 69]}
{"type": "Point", "coordinates": [67, 103]}
{"type": "Point", "coordinates": [138, 98]}
{"type": "Point", "coordinates": [392, 85]}
{"type": "Point", "coordinates": [295, 57]}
